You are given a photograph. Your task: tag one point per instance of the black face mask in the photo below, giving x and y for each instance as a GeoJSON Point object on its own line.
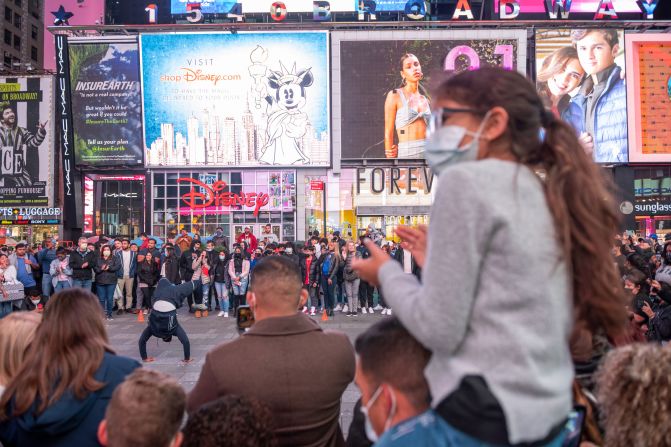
{"type": "Point", "coordinates": [238, 255]}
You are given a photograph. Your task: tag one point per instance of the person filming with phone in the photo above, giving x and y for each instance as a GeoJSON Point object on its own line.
{"type": "Point", "coordinates": [269, 361]}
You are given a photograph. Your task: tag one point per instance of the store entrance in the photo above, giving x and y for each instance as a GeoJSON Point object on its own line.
{"type": "Point", "coordinates": [387, 224]}
{"type": "Point", "coordinates": [257, 230]}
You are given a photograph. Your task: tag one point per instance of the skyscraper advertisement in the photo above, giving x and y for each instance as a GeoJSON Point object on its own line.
{"type": "Point", "coordinates": [105, 80]}
{"type": "Point", "coordinates": [244, 100]}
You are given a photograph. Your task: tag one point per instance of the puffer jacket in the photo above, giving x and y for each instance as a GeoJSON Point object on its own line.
{"type": "Point", "coordinates": [610, 119]}
{"type": "Point", "coordinates": [147, 273]}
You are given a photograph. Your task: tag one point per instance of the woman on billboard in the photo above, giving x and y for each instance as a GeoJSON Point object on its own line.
{"type": "Point", "coordinates": [406, 112]}
{"type": "Point", "coordinates": [559, 75]}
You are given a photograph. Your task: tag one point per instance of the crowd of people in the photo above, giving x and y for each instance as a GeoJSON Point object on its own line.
{"type": "Point", "coordinates": [124, 275]}
{"type": "Point", "coordinates": [556, 339]}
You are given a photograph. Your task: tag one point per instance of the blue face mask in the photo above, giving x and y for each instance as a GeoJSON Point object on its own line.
{"type": "Point", "coordinates": [442, 148]}
{"type": "Point", "coordinates": [370, 431]}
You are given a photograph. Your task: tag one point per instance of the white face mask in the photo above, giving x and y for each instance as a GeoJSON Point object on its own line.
{"type": "Point", "coordinates": [370, 431]}
{"type": "Point", "coordinates": [222, 257]}
{"type": "Point", "coordinates": [288, 250]}
{"type": "Point", "coordinates": [443, 147]}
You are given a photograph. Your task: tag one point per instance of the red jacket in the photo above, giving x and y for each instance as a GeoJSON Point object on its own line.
{"type": "Point", "coordinates": [250, 239]}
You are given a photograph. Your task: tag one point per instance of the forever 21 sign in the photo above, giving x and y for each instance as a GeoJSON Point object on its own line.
{"type": "Point", "coordinates": [410, 180]}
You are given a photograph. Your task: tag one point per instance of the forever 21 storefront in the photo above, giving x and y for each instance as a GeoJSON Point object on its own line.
{"type": "Point", "coordinates": [201, 201]}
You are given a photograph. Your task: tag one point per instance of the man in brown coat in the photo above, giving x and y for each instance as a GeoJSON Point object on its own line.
{"type": "Point", "coordinates": [285, 360]}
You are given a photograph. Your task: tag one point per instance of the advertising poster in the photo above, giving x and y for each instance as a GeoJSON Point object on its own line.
{"type": "Point", "coordinates": [68, 12]}
{"type": "Point", "coordinates": [383, 90]}
{"type": "Point", "coordinates": [105, 85]}
{"type": "Point", "coordinates": [245, 99]}
{"type": "Point", "coordinates": [26, 141]}
{"type": "Point", "coordinates": [580, 74]}
{"type": "Point", "coordinates": [649, 97]}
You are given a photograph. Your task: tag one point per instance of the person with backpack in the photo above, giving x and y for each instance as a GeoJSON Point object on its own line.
{"type": "Point", "coordinates": [163, 323]}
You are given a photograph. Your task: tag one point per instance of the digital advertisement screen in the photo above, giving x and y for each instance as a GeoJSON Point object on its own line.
{"type": "Point", "coordinates": [264, 6]}
{"type": "Point", "coordinates": [105, 85]}
{"type": "Point", "coordinates": [580, 74]}
{"type": "Point", "coordinates": [383, 96]}
{"type": "Point", "coordinates": [26, 141]}
{"type": "Point", "coordinates": [577, 6]}
{"type": "Point", "coordinates": [649, 97]}
{"type": "Point", "coordinates": [245, 99]}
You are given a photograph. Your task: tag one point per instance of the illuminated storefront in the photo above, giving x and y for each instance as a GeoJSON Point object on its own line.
{"type": "Point", "coordinates": [30, 224]}
{"type": "Point", "coordinates": [201, 201]}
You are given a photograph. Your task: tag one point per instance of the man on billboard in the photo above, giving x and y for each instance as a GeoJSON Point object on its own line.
{"type": "Point", "coordinates": [15, 142]}
{"type": "Point", "coordinates": [598, 111]}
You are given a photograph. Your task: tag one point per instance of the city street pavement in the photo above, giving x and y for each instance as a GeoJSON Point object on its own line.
{"type": "Point", "coordinates": [206, 333]}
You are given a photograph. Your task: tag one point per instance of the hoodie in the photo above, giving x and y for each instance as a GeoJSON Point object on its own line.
{"type": "Point", "coordinates": [69, 421]}
{"type": "Point", "coordinates": [167, 291]}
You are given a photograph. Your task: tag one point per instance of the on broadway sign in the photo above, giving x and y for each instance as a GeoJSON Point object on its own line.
{"type": "Point", "coordinates": [217, 195]}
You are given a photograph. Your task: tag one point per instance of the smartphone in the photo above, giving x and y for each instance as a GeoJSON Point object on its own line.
{"type": "Point", "coordinates": [574, 426]}
{"type": "Point", "coordinates": [245, 318]}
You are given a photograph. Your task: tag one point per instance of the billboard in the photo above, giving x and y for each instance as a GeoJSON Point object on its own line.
{"type": "Point", "coordinates": [26, 141]}
{"type": "Point", "coordinates": [649, 97]}
{"type": "Point", "coordinates": [105, 86]}
{"type": "Point", "coordinates": [580, 76]}
{"type": "Point", "coordinates": [245, 99]}
{"type": "Point", "coordinates": [68, 12]}
{"type": "Point", "coordinates": [383, 103]}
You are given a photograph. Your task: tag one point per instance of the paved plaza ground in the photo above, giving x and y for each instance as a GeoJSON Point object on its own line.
{"type": "Point", "coordinates": [206, 333]}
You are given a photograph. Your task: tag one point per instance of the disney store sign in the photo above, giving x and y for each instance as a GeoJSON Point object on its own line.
{"type": "Point", "coordinates": [217, 194]}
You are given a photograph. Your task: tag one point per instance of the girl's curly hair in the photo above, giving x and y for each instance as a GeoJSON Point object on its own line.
{"type": "Point", "coordinates": [634, 392]}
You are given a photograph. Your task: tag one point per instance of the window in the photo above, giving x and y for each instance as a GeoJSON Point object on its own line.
{"type": "Point", "coordinates": [34, 32]}
{"type": "Point", "coordinates": [18, 3]}
{"type": "Point", "coordinates": [8, 15]}
{"type": "Point", "coordinates": [17, 42]}
{"type": "Point", "coordinates": [17, 20]}
{"type": "Point", "coordinates": [33, 53]}
{"type": "Point", "coordinates": [34, 8]}
{"type": "Point", "coordinates": [8, 37]}
{"type": "Point", "coordinates": [7, 60]}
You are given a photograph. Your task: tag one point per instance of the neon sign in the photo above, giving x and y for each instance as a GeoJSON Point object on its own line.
{"type": "Point", "coordinates": [217, 194]}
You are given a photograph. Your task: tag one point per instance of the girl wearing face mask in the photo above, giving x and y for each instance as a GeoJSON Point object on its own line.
{"type": "Point", "coordinates": [497, 316]}
{"type": "Point", "coordinates": [238, 269]}
{"type": "Point", "coordinates": [219, 278]}
{"type": "Point", "coordinates": [106, 279]}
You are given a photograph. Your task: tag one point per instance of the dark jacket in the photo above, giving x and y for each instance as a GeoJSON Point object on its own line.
{"type": "Point", "coordinates": [175, 294]}
{"type": "Point", "coordinates": [277, 352]}
{"type": "Point", "coordinates": [186, 262]}
{"type": "Point", "coordinates": [219, 269]}
{"type": "Point", "coordinates": [415, 269]}
{"type": "Point", "coordinates": [77, 259]}
{"type": "Point", "coordinates": [348, 273]}
{"type": "Point", "coordinates": [315, 271]}
{"type": "Point", "coordinates": [333, 268]}
{"type": "Point", "coordinates": [107, 276]}
{"type": "Point", "coordinates": [133, 264]}
{"type": "Point", "coordinates": [148, 273]}
{"type": "Point", "coordinates": [660, 325]}
{"type": "Point", "coordinates": [171, 269]}
{"type": "Point", "coordinates": [69, 421]}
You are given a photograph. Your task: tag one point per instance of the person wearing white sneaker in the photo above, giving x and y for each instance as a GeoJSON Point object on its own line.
{"type": "Point", "coordinates": [384, 311]}
{"type": "Point", "coordinates": [345, 309]}
{"type": "Point", "coordinates": [312, 311]}
{"type": "Point", "coordinates": [389, 311]}
{"type": "Point", "coordinates": [371, 310]}
{"type": "Point", "coordinates": [378, 307]}
{"type": "Point", "coordinates": [363, 310]}
{"type": "Point", "coordinates": [221, 314]}
{"type": "Point", "coordinates": [337, 308]}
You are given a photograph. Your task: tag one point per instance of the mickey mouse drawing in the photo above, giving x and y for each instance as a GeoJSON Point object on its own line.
{"type": "Point", "coordinates": [287, 124]}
